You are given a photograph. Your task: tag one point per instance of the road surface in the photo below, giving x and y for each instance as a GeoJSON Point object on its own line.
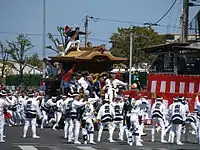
{"type": "Point", "coordinates": [53, 140]}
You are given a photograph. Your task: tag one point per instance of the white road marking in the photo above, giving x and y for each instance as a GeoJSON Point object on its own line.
{"type": "Point", "coordinates": [147, 129]}
{"type": "Point", "coordinates": [21, 144]}
{"type": "Point", "coordinates": [143, 148]}
{"type": "Point", "coordinates": [28, 148]}
{"type": "Point", "coordinates": [115, 148]}
{"type": "Point", "coordinates": [86, 148]}
{"type": "Point", "coordinates": [54, 148]}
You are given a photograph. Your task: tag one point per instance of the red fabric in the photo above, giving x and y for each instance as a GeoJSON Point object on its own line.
{"type": "Point", "coordinates": [102, 83]}
{"type": "Point", "coordinates": [187, 81]}
{"type": "Point", "coordinates": [117, 76]}
{"type": "Point", "coordinates": [67, 29]}
{"type": "Point", "coordinates": [41, 83]}
{"type": "Point", "coordinates": [7, 115]}
{"type": "Point", "coordinates": [184, 85]}
{"type": "Point", "coordinates": [68, 75]}
{"type": "Point", "coordinates": [101, 50]}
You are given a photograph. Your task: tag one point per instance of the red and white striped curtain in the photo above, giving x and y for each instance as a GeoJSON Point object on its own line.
{"type": "Point", "coordinates": [158, 83]}
{"type": "Point", "coordinates": [170, 86]}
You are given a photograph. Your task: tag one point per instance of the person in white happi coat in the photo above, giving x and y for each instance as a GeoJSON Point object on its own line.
{"type": "Point", "coordinates": [197, 106]}
{"type": "Point", "coordinates": [126, 108]}
{"type": "Point", "coordinates": [158, 112]}
{"type": "Point", "coordinates": [191, 122]}
{"type": "Point", "coordinates": [59, 111]}
{"type": "Point", "coordinates": [31, 110]}
{"type": "Point", "coordinates": [46, 106]}
{"type": "Point", "coordinates": [21, 100]}
{"type": "Point", "coordinates": [132, 122]}
{"type": "Point", "coordinates": [87, 119]}
{"type": "Point", "coordinates": [178, 115]}
{"type": "Point", "coordinates": [13, 108]}
{"type": "Point", "coordinates": [185, 102]}
{"type": "Point", "coordinates": [74, 120]}
{"type": "Point", "coordinates": [83, 82]}
{"type": "Point", "coordinates": [118, 105]}
{"type": "Point", "coordinates": [144, 106]}
{"type": "Point", "coordinates": [16, 107]}
{"type": "Point", "coordinates": [67, 106]}
{"type": "Point", "coordinates": [111, 87]}
{"type": "Point", "coordinates": [9, 121]}
{"type": "Point", "coordinates": [3, 104]}
{"type": "Point", "coordinates": [105, 117]}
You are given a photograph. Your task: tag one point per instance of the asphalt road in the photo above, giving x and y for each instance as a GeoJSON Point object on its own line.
{"type": "Point", "coordinates": [53, 140]}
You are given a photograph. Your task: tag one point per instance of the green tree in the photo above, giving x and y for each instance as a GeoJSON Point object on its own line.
{"type": "Point", "coordinates": [4, 59]}
{"type": "Point", "coordinates": [34, 60]}
{"type": "Point", "coordinates": [142, 37]}
{"type": "Point", "coordinates": [18, 51]}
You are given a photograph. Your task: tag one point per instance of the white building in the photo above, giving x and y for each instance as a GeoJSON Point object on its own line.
{"type": "Point", "coordinates": [12, 68]}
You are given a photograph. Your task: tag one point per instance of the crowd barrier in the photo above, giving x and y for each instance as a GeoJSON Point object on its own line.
{"type": "Point", "coordinates": [167, 97]}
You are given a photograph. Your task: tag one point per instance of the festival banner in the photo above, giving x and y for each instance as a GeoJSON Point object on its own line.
{"type": "Point", "coordinates": [162, 83]}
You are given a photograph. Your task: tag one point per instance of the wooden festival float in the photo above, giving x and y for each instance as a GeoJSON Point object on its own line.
{"type": "Point", "coordinates": [93, 59]}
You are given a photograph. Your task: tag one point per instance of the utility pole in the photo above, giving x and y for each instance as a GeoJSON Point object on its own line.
{"type": "Point", "coordinates": [184, 32]}
{"type": "Point", "coordinates": [86, 29]}
{"type": "Point", "coordinates": [44, 35]}
{"type": "Point", "coordinates": [131, 53]}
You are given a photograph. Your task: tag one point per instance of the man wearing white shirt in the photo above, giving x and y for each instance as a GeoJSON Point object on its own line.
{"type": "Point", "coordinates": [31, 109]}
{"type": "Point", "coordinates": [83, 81]}
{"type": "Point", "coordinates": [3, 104]}
{"type": "Point", "coordinates": [111, 87]}
{"type": "Point", "coordinates": [58, 112]}
{"type": "Point", "coordinates": [74, 122]}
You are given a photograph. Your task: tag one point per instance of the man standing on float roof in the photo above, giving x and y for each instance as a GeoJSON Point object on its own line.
{"type": "Point", "coordinates": [74, 39]}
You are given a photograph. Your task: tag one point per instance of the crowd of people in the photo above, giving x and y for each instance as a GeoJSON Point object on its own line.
{"type": "Point", "coordinates": [81, 105]}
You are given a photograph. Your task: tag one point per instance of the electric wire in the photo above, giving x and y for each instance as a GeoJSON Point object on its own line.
{"type": "Point", "coordinates": [166, 12]}
{"type": "Point", "coordinates": [96, 19]}
{"type": "Point", "coordinates": [179, 14]}
{"type": "Point", "coordinates": [169, 22]}
{"type": "Point", "coordinates": [37, 34]}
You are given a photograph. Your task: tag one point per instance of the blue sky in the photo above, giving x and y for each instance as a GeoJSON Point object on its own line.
{"type": "Point", "coordinates": [25, 16]}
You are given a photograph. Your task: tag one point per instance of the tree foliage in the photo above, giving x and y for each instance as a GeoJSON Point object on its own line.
{"type": "Point", "coordinates": [18, 51]}
{"type": "Point", "coordinates": [4, 58]}
{"type": "Point", "coordinates": [142, 37]}
{"type": "Point", "coordinates": [34, 60]}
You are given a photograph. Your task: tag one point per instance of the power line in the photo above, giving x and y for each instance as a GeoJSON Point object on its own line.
{"type": "Point", "coordinates": [198, 1]}
{"type": "Point", "coordinates": [169, 21]}
{"type": "Point", "coordinates": [96, 19]}
{"type": "Point", "coordinates": [7, 32]}
{"type": "Point", "coordinates": [178, 16]}
{"type": "Point", "coordinates": [38, 34]}
{"type": "Point", "coordinates": [166, 12]}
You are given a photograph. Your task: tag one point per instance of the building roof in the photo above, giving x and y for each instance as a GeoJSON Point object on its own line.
{"type": "Point", "coordinates": [171, 47]}
{"type": "Point", "coordinates": [15, 67]}
{"type": "Point", "coordinates": [88, 54]}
